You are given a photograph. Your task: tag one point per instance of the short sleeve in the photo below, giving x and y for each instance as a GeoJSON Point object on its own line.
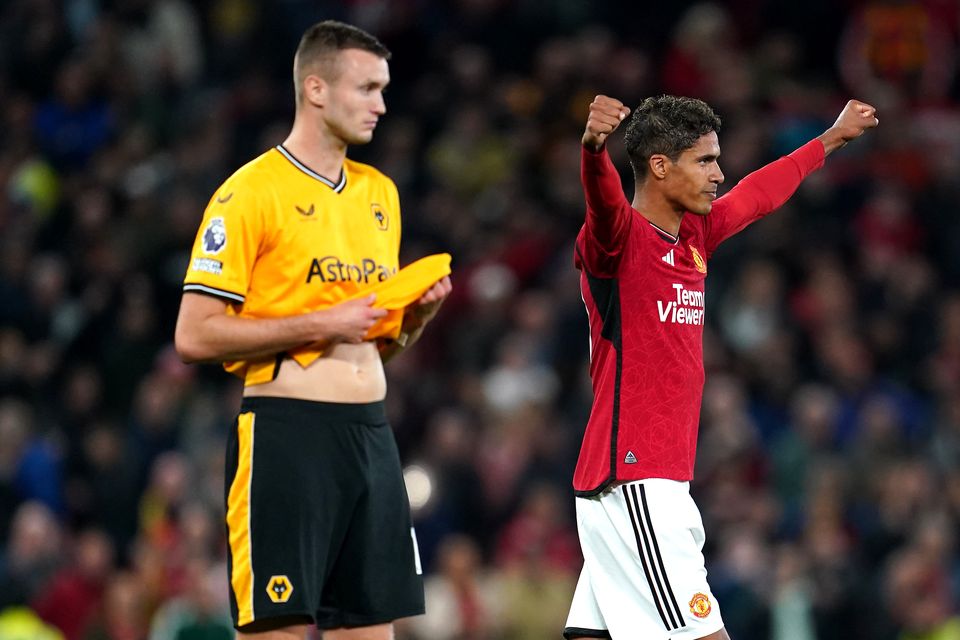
{"type": "Point", "coordinates": [226, 245]}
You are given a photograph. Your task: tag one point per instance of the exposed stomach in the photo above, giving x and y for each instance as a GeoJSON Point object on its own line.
{"type": "Point", "coordinates": [350, 373]}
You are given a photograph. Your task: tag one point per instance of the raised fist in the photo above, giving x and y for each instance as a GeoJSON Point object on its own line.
{"type": "Point", "coordinates": [605, 116]}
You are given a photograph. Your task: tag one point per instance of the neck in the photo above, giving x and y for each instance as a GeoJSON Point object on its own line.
{"type": "Point", "coordinates": [658, 210]}
{"type": "Point", "coordinates": [317, 147]}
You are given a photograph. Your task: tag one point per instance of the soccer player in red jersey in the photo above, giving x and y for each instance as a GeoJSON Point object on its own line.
{"type": "Point", "coordinates": [642, 269]}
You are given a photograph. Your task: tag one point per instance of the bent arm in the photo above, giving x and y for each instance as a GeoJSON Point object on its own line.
{"type": "Point", "coordinates": [767, 188]}
{"type": "Point", "coordinates": [761, 192]}
{"type": "Point", "coordinates": [205, 333]}
{"type": "Point", "coordinates": [415, 318]}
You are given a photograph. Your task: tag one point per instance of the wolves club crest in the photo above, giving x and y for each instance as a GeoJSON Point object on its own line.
{"type": "Point", "coordinates": [279, 589]}
{"type": "Point", "coordinates": [383, 222]}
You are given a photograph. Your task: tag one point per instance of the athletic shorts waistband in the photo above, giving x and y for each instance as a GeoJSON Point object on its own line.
{"type": "Point", "coordinates": [679, 485]}
{"type": "Point", "coordinates": [373, 413]}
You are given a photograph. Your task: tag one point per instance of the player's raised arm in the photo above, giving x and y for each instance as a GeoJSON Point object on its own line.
{"type": "Point", "coordinates": [855, 118]}
{"type": "Point", "coordinates": [608, 211]}
{"type": "Point", "coordinates": [768, 188]}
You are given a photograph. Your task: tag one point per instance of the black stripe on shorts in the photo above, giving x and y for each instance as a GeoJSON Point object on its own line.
{"type": "Point", "coordinates": [579, 632]}
{"type": "Point", "coordinates": [651, 559]}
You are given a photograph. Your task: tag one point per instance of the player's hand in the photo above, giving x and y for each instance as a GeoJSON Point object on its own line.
{"type": "Point", "coordinates": [424, 309]}
{"type": "Point", "coordinates": [349, 321]}
{"type": "Point", "coordinates": [855, 118]}
{"type": "Point", "coordinates": [605, 116]}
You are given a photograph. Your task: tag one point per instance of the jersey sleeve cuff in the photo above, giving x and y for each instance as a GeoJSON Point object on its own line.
{"type": "Point", "coordinates": [809, 157]}
{"type": "Point", "coordinates": [229, 296]}
{"type": "Point", "coordinates": [595, 162]}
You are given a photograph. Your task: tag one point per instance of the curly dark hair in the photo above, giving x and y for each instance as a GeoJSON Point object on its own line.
{"type": "Point", "coordinates": [669, 125]}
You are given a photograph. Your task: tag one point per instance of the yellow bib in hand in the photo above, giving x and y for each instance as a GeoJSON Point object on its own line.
{"type": "Point", "coordinates": [394, 294]}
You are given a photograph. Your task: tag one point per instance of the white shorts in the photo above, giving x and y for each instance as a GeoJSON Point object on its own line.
{"type": "Point", "coordinates": [643, 572]}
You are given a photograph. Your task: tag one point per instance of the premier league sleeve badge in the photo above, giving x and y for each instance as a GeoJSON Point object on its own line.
{"type": "Point", "coordinates": [214, 236]}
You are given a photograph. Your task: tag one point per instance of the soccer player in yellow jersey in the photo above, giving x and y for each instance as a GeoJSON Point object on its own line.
{"type": "Point", "coordinates": [318, 521]}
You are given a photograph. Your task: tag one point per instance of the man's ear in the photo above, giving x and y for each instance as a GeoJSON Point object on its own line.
{"type": "Point", "coordinates": [659, 165]}
{"type": "Point", "coordinates": [315, 90]}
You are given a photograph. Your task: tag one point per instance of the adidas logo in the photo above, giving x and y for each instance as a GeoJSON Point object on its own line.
{"type": "Point", "coordinates": [669, 258]}
{"type": "Point", "coordinates": [630, 458]}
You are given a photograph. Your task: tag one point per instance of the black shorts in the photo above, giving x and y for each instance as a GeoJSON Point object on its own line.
{"type": "Point", "coordinates": [318, 521]}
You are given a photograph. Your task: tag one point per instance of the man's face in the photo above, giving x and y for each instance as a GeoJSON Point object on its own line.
{"type": "Point", "coordinates": [691, 182]}
{"type": "Point", "coordinates": [355, 101]}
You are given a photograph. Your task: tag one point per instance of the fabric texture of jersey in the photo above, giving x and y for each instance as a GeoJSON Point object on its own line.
{"type": "Point", "coordinates": [643, 568]}
{"type": "Point", "coordinates": [278, 239]}
{"type": "Point", "coordinates": [332, 541]}
{"type": "Point", "coordinates": [644, 294]}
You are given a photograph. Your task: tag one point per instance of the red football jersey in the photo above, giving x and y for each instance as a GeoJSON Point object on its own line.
{"type": "Point", "coordinates": [644, 293]}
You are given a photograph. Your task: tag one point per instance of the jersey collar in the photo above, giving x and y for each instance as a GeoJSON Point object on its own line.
{"type": "Point", "coordinates": [336, 186]}
{"type": "Point", "coordinates": [666, 235]}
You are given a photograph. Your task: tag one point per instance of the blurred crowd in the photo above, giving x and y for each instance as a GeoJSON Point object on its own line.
{"type": "Point", "coordinates": [828, 471]}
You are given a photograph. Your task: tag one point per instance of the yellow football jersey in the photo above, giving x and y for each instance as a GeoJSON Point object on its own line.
{"type": "Point", "coordinates": [278, 239]}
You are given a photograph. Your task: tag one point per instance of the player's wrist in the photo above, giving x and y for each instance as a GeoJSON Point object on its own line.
{"type": "Point", "coordinates": [412, 322]}
{"type": "Point", "coordinates": [832, 139]}
{"type": "Point", "coordinates": [592, 145]}
{"type": "Point", "coordinates": [420, 315]}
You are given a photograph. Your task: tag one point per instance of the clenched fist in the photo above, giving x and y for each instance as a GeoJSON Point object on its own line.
{"type": "Point", "coordinates": [855, 118]}
{"type": "Point", "coordinates": [605, 116]}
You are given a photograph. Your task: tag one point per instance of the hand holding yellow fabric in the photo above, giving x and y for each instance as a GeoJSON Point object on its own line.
{"type": "Point", "coordinates": [394, 294]}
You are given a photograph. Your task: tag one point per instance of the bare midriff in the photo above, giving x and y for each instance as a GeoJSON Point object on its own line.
{"type": "Point", "coordinates": [348, 373]}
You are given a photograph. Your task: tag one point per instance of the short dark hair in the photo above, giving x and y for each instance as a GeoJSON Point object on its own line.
{"type": "Point", "coordinates": [669, 125]}
{"type": "Point", "coordinates": [320, 44]}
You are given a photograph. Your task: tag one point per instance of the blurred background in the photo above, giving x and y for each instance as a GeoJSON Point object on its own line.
{"type": "Point", "coordinates": [829, 463]}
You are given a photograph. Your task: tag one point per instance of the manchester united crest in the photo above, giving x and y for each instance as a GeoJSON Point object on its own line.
{"type": "Point", "coordinates": [700, 605]}
{"type": "Point", "coordinates": [698, 260]}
